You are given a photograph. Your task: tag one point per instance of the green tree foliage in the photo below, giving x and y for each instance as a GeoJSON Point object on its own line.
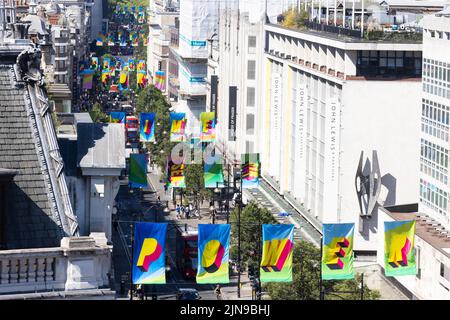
{"type": "Point", "coordinates": [252, 217]}
{"type": "Point", "coordinates": [306, 279]}
{"type": "Point", "coordinates": [97, 114]}
{"type": "Point", "coordinates": [151, 99]}
{"type": "Point", "coordinates": [195, 185]}
{"type": "Point", "coordinates": [295, 19]}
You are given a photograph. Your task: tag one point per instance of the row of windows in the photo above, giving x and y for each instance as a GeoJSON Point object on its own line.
{"type": "Point", "coordinates": [437, 34]}
{"type": "Point", "coordinates": [433, 196]}
{"type": "Point", "coordinates": [436, 90]}
{"type": "Point", "coordinates": [436, 69]}
{"type": "Point", "coordinates": [435, 130]}
{"type": "Point", "coordinates": [434, 153]}
{"type": "Point", "coordinates": [429, 169]}
{"type": "Point", "coordinates": [435, 111]}
{"type": "Point", "coordinates": [373, 63]}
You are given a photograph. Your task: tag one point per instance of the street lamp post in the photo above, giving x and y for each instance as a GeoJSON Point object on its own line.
{"type": "Point", "coordinates": [239, 239]}
{"type": "Point", "coordinates": [131, 264]}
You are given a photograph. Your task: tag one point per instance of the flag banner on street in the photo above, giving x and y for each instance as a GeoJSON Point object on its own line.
{"type": "Point", "coordinates": [141, 78]}
{"type": "Point", "coordinates": [134, 39]}
{"type": "Point", "coordinates": [95, 64]}
{"type": "Point", "coordinates": [119, 64]}
{"type": "Point", "coordinates": [142, 66]}
{"type": "Point", "coordinates": [149, 265]}
{"type": "Point", "coordinates": [207, 127]}
{"type": "Point", "coordinates": [160, 80]}
{"type": "Point", "coordinates": [117, 117]}
{"type": "Point", "coordinates": [111, 40]}
{"type": "Point", "coordinates": [250, 170]}
{"type": "Point", "coordinates": [131, 65]}
{"type": "Point", "coordinates": [88, 77]}
{"type": "Point", "coordinates": [213, 171]}
{"type": "Point", "coordinates": [145, 38]}
{"type": "Point", "coordinates": [399, 257]}
{"type": "Point", "coordinates": [175, 174]}
{"type": "Point", "coordinates": [106, 63]}
{"type": "Point", "coordinates": [123, 81]}
{"type": "Point", "coordinates": [106, 75]}
{"type": "Point", "coordinates": [99, 42]}
{"type": "Point", "coordinates": [147, 127]}
{"type": "Point", "coordinates": [337, 251]}
{"type": "Point", "coordinates": [276, 261]}
{"type": "Point", "coordinates": [177, 127]}
{"type": "Point", "coordinates": [213, 253]}
{"type": "Point", "coordinates": [138, 170]}
{"type": "Point", "coordinates": [133, 9]}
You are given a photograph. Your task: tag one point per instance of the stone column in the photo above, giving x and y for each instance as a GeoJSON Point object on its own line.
{"type": "Point", "coordinates": [4, 269]}
{"type": "Point", "coordinates": [23, 270]}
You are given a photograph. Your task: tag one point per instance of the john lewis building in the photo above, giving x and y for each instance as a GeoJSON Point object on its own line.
{"type": "Point", "coordinates": [327, 98]}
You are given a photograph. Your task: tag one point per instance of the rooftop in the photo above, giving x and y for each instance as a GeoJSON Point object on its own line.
{"type": "Point", "coordinates": [426, 229]}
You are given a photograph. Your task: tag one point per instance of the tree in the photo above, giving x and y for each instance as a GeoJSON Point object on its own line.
{"type": "Point", "coordinates": [195, 186]}
{"type": "Point", "coordinates": [151, 99]}
{"type": "Point", "coordinates": [306, 279]}
{"type": "Point", "coordinates": [252, 218]}
{"type": "Point", "coordinates": [97, 114]}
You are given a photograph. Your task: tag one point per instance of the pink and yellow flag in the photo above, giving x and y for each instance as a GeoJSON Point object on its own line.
{"type": "Point", "coordinates": [399, 257]}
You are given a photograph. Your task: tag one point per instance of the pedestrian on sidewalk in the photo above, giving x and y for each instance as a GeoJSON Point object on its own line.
{"type": "Point", "coordinates": [187, 212]}
{"type": "Point", "coordinates": [159, 199]}
{"type": "Point", "coordinates": [178, 211]}
{"type": "Point", "coordinates": [218, 292]}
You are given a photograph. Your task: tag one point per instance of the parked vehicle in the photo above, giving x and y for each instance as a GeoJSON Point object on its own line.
{"type": "Point", "coordinates": [188, 294]}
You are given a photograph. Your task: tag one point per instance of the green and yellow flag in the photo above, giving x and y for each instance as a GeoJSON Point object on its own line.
{"type": "Point", "coordinates": [399, 257]}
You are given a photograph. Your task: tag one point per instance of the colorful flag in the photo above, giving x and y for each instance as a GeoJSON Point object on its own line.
{"type": "Point", "coordinates": [142, 66]}
{"type": "Point", "coordinates": [99, 42]}
{"type": "Point", "coordinates": [147, 127]}
{"type": "Point", "coordinates": [399, 257]}
{"type": "Point", "coordinates": [160, 80]}
{"type": "Point", "coordinates": [138, 170]}
{"type": "Point", "coordinates": [111, 40]}
{"type": "Point", "coordinates": [106, 63]}
{"type": "Point", "coordinates": [131, 64]}
{"type": "Point", "coordinates": [213, 171]}
{"type": "Point", "coordinates": [149, 265]}
{"type": "Point", "coordinates": [213, 252]}
{"type": "Point", "coordinates": [250, 170]}
{"type": "Point", "coordinates": [117, 117]}
{"type": "Point", "coordinates": [94, 63]}
{"type": "Point", "coordinates": [276, 261]}
{"type": "Point", "coordinates": [337, 251]}
{"type": "Point", "coordinates": [208, 127]}
{"type": "Point", "coordinates": [123, 80]}
{"type": "Point", "coordinates": [141, 78]}
{"type": "Point", "coordinates": [88, 77]}
{"type": "Point", "coordinates": [175, 174]}
{"type": "Point", "coordinates": [106, 75]}
{"type": "Point", "coordinates": [177, 126]}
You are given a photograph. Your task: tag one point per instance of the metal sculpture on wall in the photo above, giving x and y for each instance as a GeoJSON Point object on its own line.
{"type": "Point", "coordinates": [368, 186]}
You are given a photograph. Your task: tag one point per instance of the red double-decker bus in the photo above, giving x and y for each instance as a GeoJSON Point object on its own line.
{"type": "Point", "coordinates": [187, 253]}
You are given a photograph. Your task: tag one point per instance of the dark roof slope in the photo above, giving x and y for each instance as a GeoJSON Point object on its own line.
{"type": "Point", "coordinates": [29, 219]}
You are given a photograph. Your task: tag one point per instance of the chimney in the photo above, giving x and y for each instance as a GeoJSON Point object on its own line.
{"type": "Point", "coordinates": [20, 29]}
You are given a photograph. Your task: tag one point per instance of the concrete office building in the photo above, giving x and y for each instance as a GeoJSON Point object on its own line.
{"type": "Point", "coordinates": [435, 100]}
{"type": "Point", "coordinates": [236, 61]}
{"type": "Point", "coordinates": [162, 18]}
{"type": "Point", "coordinates": [326, 99]}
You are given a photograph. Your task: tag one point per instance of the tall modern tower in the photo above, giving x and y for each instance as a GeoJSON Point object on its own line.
{"type": "Point", "coordinates": [434, 153]}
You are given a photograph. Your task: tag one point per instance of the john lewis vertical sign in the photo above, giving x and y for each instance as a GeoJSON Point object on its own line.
{"type": "Point", "coordinates": [300, 145]}
{"type": "Point", "coordinates": [331, 165]}
{"type": "Point", "coordinates": [275, 126]}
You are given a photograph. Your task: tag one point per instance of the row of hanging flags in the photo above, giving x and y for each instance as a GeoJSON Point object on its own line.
{"type": "Point", "coordinates": [133, 38]}
{"type": "Point", "coordinates": [277, 247]}
{"type": "Point", "coordinates": [116, 73]}
{"type": "Point", "coordinates": [129, 14]}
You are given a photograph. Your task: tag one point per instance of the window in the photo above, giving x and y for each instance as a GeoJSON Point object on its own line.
{"type": "Point", "coordinates": [249, 146]}
{"type": "Point", "coordinates": [250, 123]}
{"type": "Point", "coordinates": [251, 70]}
{"type": "Point", "coordinates": [250, 97]}
{"type": "Point", "coordinates": [251, 44]}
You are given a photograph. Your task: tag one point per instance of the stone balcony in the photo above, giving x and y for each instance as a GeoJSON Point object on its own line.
{"type": "Point", "coordinates": [79, 263]}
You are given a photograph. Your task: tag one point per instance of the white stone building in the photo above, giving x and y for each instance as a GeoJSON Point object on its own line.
{"type": "Point", "coordinates": [435, 101]}
{"type": "Point", "coordinates": [326, 99]}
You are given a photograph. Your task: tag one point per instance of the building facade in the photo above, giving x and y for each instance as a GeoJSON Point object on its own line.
{"type": "Point", "coordinates": [325, 99]}
{"type": "Point", "coordinates": [435, 100]}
